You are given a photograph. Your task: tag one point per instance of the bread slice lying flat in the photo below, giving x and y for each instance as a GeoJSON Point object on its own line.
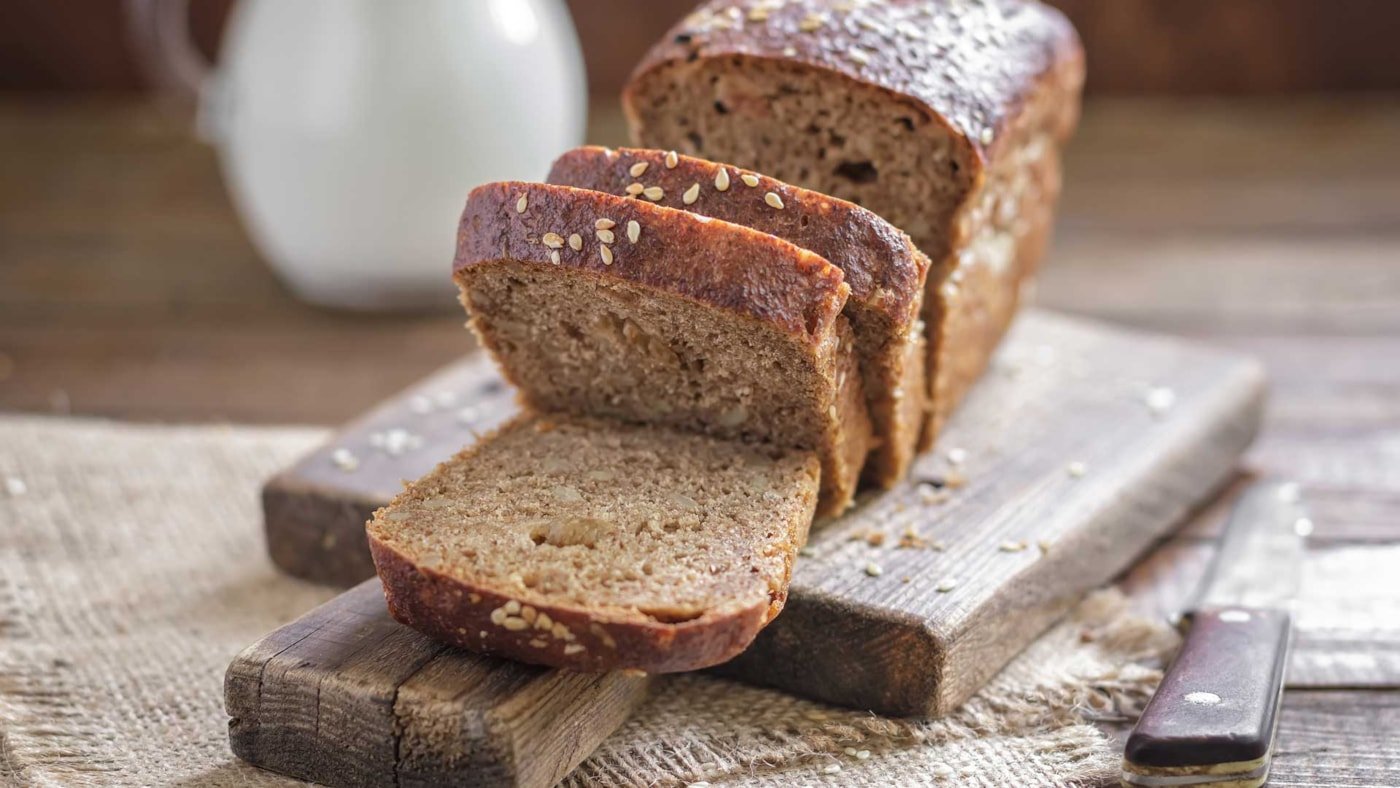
{"type": "Point", "coordinates": [609, 306]}
{"type": "Point", "coordinates": [944, 117]}
{"type": "Point", "coordinates": [596, 545]}
{"type": "Point", "coordinates": [884, 270]}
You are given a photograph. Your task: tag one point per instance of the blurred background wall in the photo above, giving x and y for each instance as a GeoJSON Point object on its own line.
{"type": "Point", "coordinates": [1149, 46]}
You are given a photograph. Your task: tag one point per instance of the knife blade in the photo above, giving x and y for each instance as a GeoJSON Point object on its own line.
{"type": "Point", "coordinates": [1213, 718]}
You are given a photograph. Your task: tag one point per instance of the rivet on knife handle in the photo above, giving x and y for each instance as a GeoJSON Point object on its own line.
{"type": "Point", "coordinates": [1213, 718]}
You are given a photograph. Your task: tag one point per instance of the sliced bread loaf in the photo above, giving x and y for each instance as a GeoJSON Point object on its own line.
{"type": "Point", "coordinates": [884, 270]}
{"type": "Point", "coordinates": [596, 545]}
{"type": "Point", "coordinates": [944, 117]}
{"type": "Point", "coordinates": [608, 306]}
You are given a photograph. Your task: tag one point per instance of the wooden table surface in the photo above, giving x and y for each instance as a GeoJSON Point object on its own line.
{"type": "Point", "coordinates": [128, 289]}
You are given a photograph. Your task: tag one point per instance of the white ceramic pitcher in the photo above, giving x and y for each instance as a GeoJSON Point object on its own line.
{"type": "Point", "coordinates": [350, 131]}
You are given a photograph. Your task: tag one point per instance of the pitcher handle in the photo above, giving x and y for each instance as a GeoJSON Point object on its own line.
{"type": "Point", "coordinates": [160, 36]}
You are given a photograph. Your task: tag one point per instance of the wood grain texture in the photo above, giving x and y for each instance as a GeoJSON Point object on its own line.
{"type": "Point", "coordinates": [1062, 392]}
{"type": "Point", "coordinates": [346, 696]}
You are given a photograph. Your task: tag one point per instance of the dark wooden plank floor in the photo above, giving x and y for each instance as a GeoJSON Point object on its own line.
{"type": "Point", "coordinates": [128, 289]}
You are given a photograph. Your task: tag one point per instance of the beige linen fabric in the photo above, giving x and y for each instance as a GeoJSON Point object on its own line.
{"type": "Point", "coordinates": [132, 570]}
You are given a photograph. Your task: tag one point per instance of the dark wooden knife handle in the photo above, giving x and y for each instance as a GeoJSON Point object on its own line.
{"type": "Point", "coordinates": [1217, 707]}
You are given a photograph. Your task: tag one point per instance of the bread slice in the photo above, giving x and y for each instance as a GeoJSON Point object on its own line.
{"type": "Point", "coordinates": [596, 545]}
{"type": "Point", "coordinates": [944, 117]}
{"type": "Point", "coordinates": [884, 270]}
{"type": "Point", "coordinates": [614, 307]}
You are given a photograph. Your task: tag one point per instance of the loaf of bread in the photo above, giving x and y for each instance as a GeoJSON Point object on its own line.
{"type": "Point", "coordinates": [598, 545]}
{"type": "Point", "coordinates": [609, 306]}
{"type": "Point", "coordinates": [945, 117]}
{"type": "Point", "coordinates": [885, 272]}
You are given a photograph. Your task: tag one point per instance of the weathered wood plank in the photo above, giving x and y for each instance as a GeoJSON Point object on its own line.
{"type": "Point", "coordinates": [1331, 739]}
{"type": "Point", "coordinates": [1347, 617]}
{"type": "Point", "coordinates": [1338, 739]}
{"type": "Point", "coordinates": [1062, 393]}
{"type": "Point", "coordinates": [346, 696]}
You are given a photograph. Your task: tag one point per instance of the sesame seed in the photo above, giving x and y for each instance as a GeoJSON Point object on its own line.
{"type": "Point", "coordinates": [873, 570]}
{"type": "Point", "coordinates": [811, 22]}
{"type": "Point", "coordinates": [986, 136]}
{"type": "Point", "coordinates": [1077, 469]}
{"type": "Point", "coordinates": [512, 607]}
{"type": "Point", "coordinates": [575, 242]}
{"type": "Point", "coordinates": [604, 224]}
{"type": "Point", "coordinates": [832, 769]}
{"type": "Point", "coordinates": [553, 240]}
{"type": "Point", "coordinates": [807, 552]}
{"type": "Point", "coordinates": [653, 193]}
{"type": "Point", "coordinates": [15, 486]}
{"type": "Point", "coordinates": [343, 459]}
{"type": "Point", "coordinates": [637, 169]}
{"type": "Point", "coordinates": [572, 648]}
{"type": "Point", "coordinates": [749, 179]}
{"type": "Point", "coordinates": [498, 616]}
{"type": "Point", "coordinates": [1044, 545]}
{"type": "Point", "coordinates": [946, 586]}
{"type": "Point", "coordinates": [554, 257]}
{"type": "Point", "coordinates": [859, 56]}
{"type": "Point", "coordinates": [957, 456]}
{"type": "Point", "coordinates": [691, 195]}
{"type": "Point", "coordinates": [606, 236]}
{"type": "Point", "coordinates": [635, 189]}
{"type": "Point", "coordinates": [515, 624]}
{"type": "Point", "coordinates": [521, 204]}
{"type": "Point", "coordinates": [862, 755]}
{"type": "Point", "coordinates": [634, 230]}
{"type": "Point", "coordinates": [606, 254]}
{"type": "Point", "coordinates": [789, 51]}
{"type": "Point", "coordinates": [722, 180]}
{"type": "Point", "coordinates": [773, 200]}
{"type": "Point", "coordinates": [1160, 399]}
{"type": "Point", "coordinates": [758, 15]}
{"type": "Point", "coordinates": [672, 160]}
{"type": "Point", "coordinates": [1012, 547]}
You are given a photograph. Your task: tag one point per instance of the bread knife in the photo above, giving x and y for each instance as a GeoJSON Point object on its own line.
{"type": "Point", "coordinates": [1213, 718]}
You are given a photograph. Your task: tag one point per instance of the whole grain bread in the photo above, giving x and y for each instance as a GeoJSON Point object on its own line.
{"type": "Point", "coordinates": [598, 545]}
{"type": "Point", "coordinates": [610, 306]}
{"type": "Point", "coordinates": [944, 117]}
{"type": "Point", "coordinates": [884, 270]}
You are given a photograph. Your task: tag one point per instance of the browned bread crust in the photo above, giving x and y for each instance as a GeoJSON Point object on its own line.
{"type": "Point", "coordinates": [458, 613]}
{"type": "Point", "coordinates": [884, 270]}
{"type": "Point", "coordinates": [878, 261]}
{"type": "Point", "coordinates": [484, 552]}
{"type": "Point", "coordinates": [1000, 77]}
{"type": "Point", "coordinates": [970, 66]}
{"type": "Point", "coordinates": [726, 266]}
{"type": "Point", "coordinates": [755, 277]}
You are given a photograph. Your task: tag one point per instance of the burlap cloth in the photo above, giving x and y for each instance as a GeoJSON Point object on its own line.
{"type": "Point", "coordinates": [132, 570]}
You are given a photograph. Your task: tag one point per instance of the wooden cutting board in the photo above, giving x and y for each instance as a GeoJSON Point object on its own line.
{"type": "Point", "coordinates": [1082, 447]}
